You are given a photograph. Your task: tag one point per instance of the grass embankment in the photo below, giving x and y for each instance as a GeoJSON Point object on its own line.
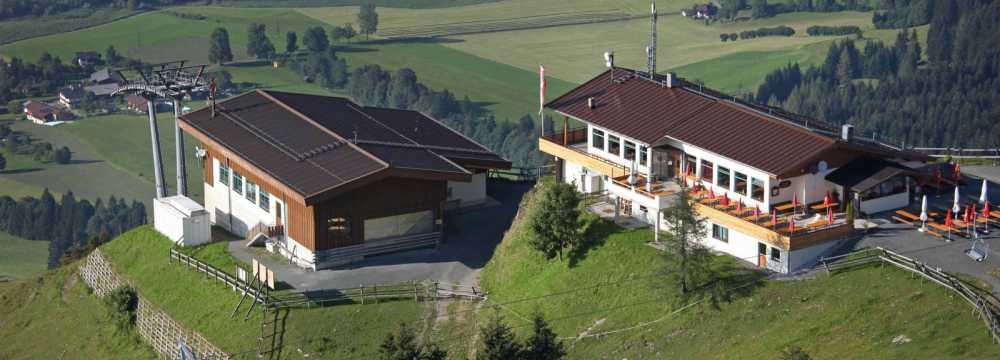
{"type": "Point", "coordinates": [204, 305]}
{"type": "Point", "coordinates": [854, 314]}
{"type": "Point", "coordinates": [21, 258]}
{"type": "Point", "coordinates": [55, 316]}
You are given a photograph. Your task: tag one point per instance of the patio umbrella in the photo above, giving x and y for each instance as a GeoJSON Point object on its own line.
{"type": "Point", "coordinates": [982, 193]}
{"type": "Point", "coordinates": [965, 217]}
{"type": "Point", "coordinates": [986, 215]}
{"type": "Point", "coordinates": [774, 219]}
{"type": "Point", "coordinates": [795, 202]}
{"type": "Point", "coordinates": [791, 225]}
{"type": "Point", "coordinates": [948, 224]}
{"type": "Point", "coordinates": [923, 214]}
{"type": "Point", "coordinates": [631, 174]}
{"type": "Point", "coordinates": [756, 214]}
{"type": "Point", "coordinates": [958, 173]}
{"type": "Point", "coordinates": [827, 200]}
{"type": "Point", "coordinates": [711, 193]}
{"type": "Point", "coordinates": [739, 206]}
{"type": "Point", "coordinates": [829, 215]}
{"type": "Point", "coordinates": [955, 207]}
{"type": "Point", "coordinates": [725, 200]}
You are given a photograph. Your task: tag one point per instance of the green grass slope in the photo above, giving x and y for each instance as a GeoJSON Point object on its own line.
{"type": "Point", "coordinates": [55, 316]}
{"type": "Point", "coordinates": [204, 305]}
{"type": "Point", "coordinates": [851, 315]}
{"type": "Point", "coordinates": [20, 258]}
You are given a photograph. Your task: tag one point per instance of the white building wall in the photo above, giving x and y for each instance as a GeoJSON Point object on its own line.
{"type": "Point", "coordinates": [740, 245]}
{"type": "Point", "coordinates": [221, 201]}
{"type": "Point", "coordinates": [469, 193]}
{"type": "Point", "coordinates": [814, 185]}
{"type": "Point", "coordinates": [617, 158]}
{"type": "Point", "coordinates": [808, 256]}
{"type": "Point", "coordinates": [887, 203]}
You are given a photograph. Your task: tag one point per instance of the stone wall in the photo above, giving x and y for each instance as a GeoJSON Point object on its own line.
{"type": "Point", "coordinates": [154, 326]}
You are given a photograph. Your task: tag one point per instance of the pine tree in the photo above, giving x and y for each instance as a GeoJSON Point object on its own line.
{"type": "Point", "coordinates": [543, 344]}
{"type": "Point", "coordinates": [498, 342]}
{"type": "Point", "coordinates": [219, 51]}
{"type": "Point", "coordinates": [291, 42]}
{"type": "Point", "coordinates": [315, 40]}
{"type": "Point", "coordinates": [402, 345]}
{"type": "Point", "coordinates": [258, 45]}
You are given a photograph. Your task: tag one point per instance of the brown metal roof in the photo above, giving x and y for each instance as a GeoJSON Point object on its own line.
{"type": "Point", "coordinates": [649, 111]}
{"type": "Point", "coordinates": [316, 144]}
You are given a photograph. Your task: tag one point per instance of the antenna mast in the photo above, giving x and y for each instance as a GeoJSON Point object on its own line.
{"type": "Point", "coordinates": [651, 49]}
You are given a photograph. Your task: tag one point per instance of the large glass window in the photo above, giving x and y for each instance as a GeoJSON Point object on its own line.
{"type": "Point", "coordinates": [237, 182]}
{"type": "Point", "coordinates": [723, 177]}
{"type": "Point", "coordinates": [338, 229]}
{"type": "Point", "coordinates": [707, 170]}
{"type": "Point", "coordinates": [775, 254]}
{"type": "Point", "coordinates": [643, 155]}
{"type": "Point", "coordinates": [251, 191]}
{"type": "Point", "coordinates": [614, 145]}
{"type": "Point", "coordinates": [223, 174]}
{"type": "Point", "coordinates": [720, 233]}
{"type": "Point", "coordinates": [629, 150]}
{"type": "Point", "coordinates": [597, 140]}
{"type": "Point", "coordinates": [264, 201]}
{"type": "Point", "coordinates": [741, 183]}
{"type": "Point", "coordinates": [757, 189]}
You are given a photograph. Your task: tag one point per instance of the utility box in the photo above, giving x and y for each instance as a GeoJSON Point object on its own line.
{"type": "Point", "coordinates": [182, 220]}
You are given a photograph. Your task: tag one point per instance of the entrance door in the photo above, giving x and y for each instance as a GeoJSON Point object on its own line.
{"type": "Point", "coordinates": [626, 206]}
{"type": "Point", "coordinates": [761, 254]}
{"type": "Point", "coordinates": [277, 214]}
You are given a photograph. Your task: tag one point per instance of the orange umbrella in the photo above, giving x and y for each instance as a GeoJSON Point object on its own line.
{"type": "Point", "coordinates": [947, 220]}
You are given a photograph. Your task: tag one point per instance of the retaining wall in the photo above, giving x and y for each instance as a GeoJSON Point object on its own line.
{"type": "Point", "coordinates": [154, 326]}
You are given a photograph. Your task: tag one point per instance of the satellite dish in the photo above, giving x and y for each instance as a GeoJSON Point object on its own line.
{"type": "Point", "coordinates": [609, 59]}
{"type": "Point", "coordinates": [200, 153]}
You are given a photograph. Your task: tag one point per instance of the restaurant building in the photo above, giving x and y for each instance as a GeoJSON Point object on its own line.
{"type": "Point", "coordinates": [638, 139]}
{"type": "Point", "coordinates": [324, 182]}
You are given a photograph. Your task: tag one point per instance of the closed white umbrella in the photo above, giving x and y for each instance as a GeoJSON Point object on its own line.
{"type": "Point", "coordinates": [923, 214]}
{"type": "Point", "coordinates": [955, 208]}
{"type": "Point", "coordinates": [982, 193]}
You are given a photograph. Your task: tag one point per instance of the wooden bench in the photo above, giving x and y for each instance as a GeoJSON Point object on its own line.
{"type": "Point", "coordinates": [933, 233]}
{"type": "Point", "coordinates": [945, 229]}
{"type": "Point", "coordinates": [901, 220]}
{"type": "Point", "coordinates": [907, 215]}
{"type": "Point", "coordinates": [784, 207]}
{"type": "Point", "coordinates": [818, 223]}
{"type": "Point", "coordinates": [822, 206]}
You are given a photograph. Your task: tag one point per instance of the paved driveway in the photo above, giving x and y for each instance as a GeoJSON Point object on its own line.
{"type": "Point", "coordinates": [472, 236]}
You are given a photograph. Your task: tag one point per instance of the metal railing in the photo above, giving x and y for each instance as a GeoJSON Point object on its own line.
{"type": "Point", "coordinates": [984, 304]}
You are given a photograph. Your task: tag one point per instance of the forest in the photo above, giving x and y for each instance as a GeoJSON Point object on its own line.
{"type": "Point", "coordinates": [71, 226]}
{"type": "Point", "coordinates": [949, 98]}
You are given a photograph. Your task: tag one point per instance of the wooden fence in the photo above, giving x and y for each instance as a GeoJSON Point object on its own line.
{"type": "Point", "coordinates": [522, 173]}
{"type": "Point", "coordinates": [985, 305]}
{"type": "Point", "coordinates": [222, 276]}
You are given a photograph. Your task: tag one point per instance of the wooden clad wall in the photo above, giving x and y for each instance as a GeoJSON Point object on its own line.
{"type": "Point", "coordinates": [392, 196]}
{"type": "Point", "coordinates": [299, 222]}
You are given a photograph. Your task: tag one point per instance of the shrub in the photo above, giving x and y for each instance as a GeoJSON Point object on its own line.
{"type": "Point", "coordinates": [123, 302]}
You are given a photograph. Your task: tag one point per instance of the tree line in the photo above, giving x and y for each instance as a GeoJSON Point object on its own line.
{"type": "Point", "coordinates": [20, 8]}
{"type": "Point", "coordinates": [15, 143]}
{"type": "Point", "coordinates": [820, 30]}
{"type": "Point", "coordinates": [729, 9]}
{"type": "Point", "coordinates": [947, 99]}
{"type": "Point", "coordinates": [780, 30]}
{"type": "Point", "coordinates": [71, 226]}
{"type": "Point", "coordinates": [498, 343]}
{"type": "Point", "coordinates": [897, 14]}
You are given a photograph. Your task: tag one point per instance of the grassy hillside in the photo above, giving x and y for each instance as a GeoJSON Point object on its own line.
{"type": "Point", "coordinates": [55, 316]}
{"type": "Point", "coordinates": [22, 258]}
{"type": "Point", "coordinates": [852, 315]}
{"type": "Point", "coordinates": [341, 332]}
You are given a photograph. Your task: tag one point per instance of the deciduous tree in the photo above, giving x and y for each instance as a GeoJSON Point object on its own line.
{"type": "Point", "coordinates": [315, 39]}
{"type": "Point", "coordinates": [291, 42]}
{"type": "Point", "coordinates": [368, 20]}
{"type": "Point", "coordinates": [219, 51]}
{"type": "Point", "coordinates": [554, 223]}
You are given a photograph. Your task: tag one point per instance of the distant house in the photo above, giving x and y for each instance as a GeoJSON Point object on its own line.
{"type": "Point", "coordinates": [105, 76]}
{"type": "Point", "coordinates": [71, 97]}
{"type": "Point", "coordinates": [101, 89]}
{"type": "Point", "coordinates": [39, 112]}
{"type": "Point", "coordinates": [701, 11]}
{"type": "Point", "coordinates": [86, 58]}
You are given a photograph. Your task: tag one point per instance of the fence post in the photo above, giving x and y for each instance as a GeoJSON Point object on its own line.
{"type": "Point", "coordinates": [415, 291]}
{"type": "Point", "coordinates": [362, 287]}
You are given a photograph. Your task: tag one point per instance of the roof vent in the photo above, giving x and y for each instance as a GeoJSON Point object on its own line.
{"type": "Point", "coordinates": [590, 102]}
{"type": "Point", "coordinates": [847, 132]}
{"type": "Point", "coordinates": [671, 78]}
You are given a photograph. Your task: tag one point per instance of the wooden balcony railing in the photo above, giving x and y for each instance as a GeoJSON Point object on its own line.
{"type": "Point", "coordinates": [804, 236]}
{"type": "Point", "coordinates": [553, 145]}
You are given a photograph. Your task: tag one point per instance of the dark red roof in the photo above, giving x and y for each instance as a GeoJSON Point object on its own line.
{"type": "Point", "coordinates": [37, 109]}
{"type": "Point", "coordinates": [315, 144]}
{"type": "Point", "coordinates": [651, 112]}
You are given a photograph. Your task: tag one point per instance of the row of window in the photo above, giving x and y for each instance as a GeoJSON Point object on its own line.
{"type": "Point", "coordinates": [614, 147]}
{"type": "Point", "coordinates": [721, 233]}
{"type": "Point", "coordinates": [249, 191]}
{"type": "Point", "coordinates": [723, 177]}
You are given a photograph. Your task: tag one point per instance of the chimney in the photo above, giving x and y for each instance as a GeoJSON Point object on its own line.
{"type": "Point", "coordinates": [590, 102]}
{"type": "Point", "coordinates": [671, 78]}
{"type": "Point", "coordinates": [847, 132]}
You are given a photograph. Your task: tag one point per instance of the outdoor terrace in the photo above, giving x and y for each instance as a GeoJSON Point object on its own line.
{"type": "Point", "coordinates": [572, 146]}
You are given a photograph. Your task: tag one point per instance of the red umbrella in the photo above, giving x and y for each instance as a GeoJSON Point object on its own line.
{"type": "Point", "coordinates": [827, 200]}
{"type": "Point", "coordinates": [791, 225]}
{"type": "Point", "coordinates": [774, 219]}
{"type": "Point", "coordinates": [958, 172]}
{"type": "Point", "coordinates": [711, 193]}
{"type": "Point", "coordinates": [739, 206]}
{"type": "Point", "coordinates": [986, 210]}
{"type": "Point", "coordinates": [965, 217]}
{"type": "Point", "coordinates": [829, 214]}
{"type": "Point", "coordinates": [947, 220]}
{"type": "Point", "coordinates": [795, 202]}
{"type": "Point", "coordinates": [725, 200]}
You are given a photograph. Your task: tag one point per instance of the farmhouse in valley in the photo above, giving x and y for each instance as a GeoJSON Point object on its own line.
{"type": "Point", "coordinates": [746, 163]}
{"type": "Point", "coordinates": [324, 181]}
{"type": "Point", "coordinates": [41, 113]}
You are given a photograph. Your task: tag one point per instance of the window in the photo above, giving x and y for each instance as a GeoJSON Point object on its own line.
{"type": "Point", "coordinates": [629, 150]}
{"type": "Point", "coordinates": [338, 229]}
{"type": "Point", "coordinates": [643, 155]}
{"type": "Point", "coordinates": [723, 178]}
{"type": "Point", "coordinates": [892, 186]}
{"type": "Point", "coordinates": [741, 184]}
{"type": "Point", "coordinates": [251, 191]}
{"type": "Point", "coordinates": [775, 254]}
{"type": "Point", "coordinates": [237, 182]}
{"type": "Point", "coordinates": [757, 189]}
{"type": "Point", "coordinates": [691, 165]}
{"type": "Point", "coordinates": [597, 140]}
{"type": "Point", "coordinates": [223, 174]}
{"type": "Point", "coordinates": [707, 169]}
{"type": "Point", "coordinates": [264, 201]}
{"type": "Point", "coordinates": [614, 145]}
{"type": "Point", "coordinates": [720, 233]}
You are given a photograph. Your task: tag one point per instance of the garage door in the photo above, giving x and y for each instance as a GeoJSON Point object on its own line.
{"type": "Point", "coordinates": [421, 222]}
